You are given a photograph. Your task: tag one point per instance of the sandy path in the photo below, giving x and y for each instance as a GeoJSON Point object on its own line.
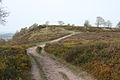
{"type": "Point", "coordinates": [50, 67]}
{"type": "Point", "coordinates": [35, 70]}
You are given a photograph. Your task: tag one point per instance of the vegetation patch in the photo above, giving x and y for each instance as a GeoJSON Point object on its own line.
{"type": "Point", "coordinates": [14, 64]}
{"type": "Point", "coordinates": [37, 34]}
{"type": "Point", "coordinates": [64, 76]}
{"type": "Point", "coordinates": [90, 29]}
{"type": "Point", "coordinates": [38, 50]}
{"type": "Point", "coordinates": [100, 57]}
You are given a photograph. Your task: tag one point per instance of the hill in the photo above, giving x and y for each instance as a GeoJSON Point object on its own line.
{"type": "Point", "coordinates": [37, 34]}
{"type": "Point", "coordinates": [95, 50]}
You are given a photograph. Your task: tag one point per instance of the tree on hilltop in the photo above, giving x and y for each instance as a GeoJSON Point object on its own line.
{"type": "Point", "coordinates": [87, 23]}
{"type": "Point", "coordinates": [61, 22]}
{"type": "Point", "coordinates": [118, 25]}
{"type": "Point", "coordinates": [99, 21]}
{"type": "Point", "coordinates": [108, 23]}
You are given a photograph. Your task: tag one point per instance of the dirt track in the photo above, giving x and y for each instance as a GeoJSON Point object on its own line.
{"type": "Point", "coordinates": [51, 68]}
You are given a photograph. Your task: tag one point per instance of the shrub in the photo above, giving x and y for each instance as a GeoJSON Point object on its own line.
{"type": "Point", "coordinates": [39, 49]}
{"type": "Point", "coordinates": [14, 63]}
{"type": "Point", "coordinates": [102, 59]}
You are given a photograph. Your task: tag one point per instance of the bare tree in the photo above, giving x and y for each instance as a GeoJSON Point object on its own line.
{"type": "Point", "coordinates": [47, 22]}
{"type": "Point", "coordinates": [99, 21]}
{"type": "Point", "coordinates": [87, 23]}
{"type": "Point", "coordinates": [3, 14]}
{"type": "Point", "coordinates": [118, 25]}
{"type": "Point", "coordinates": [61, 22]}
{"type": "Point", "coordinates": [105, 24]}
{"type": "Point", "coordinates": [108, 23]}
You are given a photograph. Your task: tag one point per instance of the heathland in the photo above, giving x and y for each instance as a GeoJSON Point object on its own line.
{"type": "Point", "coordinates": [94, 50]}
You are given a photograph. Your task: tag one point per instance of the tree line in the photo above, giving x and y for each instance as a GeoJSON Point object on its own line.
{"type": "Point", "coordinates": [100, 22]}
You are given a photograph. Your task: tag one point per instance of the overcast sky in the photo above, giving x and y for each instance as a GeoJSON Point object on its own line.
{"type": "Point", "coordinates": [24, 13]}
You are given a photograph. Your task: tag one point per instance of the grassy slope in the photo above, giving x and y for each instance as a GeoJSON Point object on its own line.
{"type": "Point", "coordinates": [97, 53]}
{"type": "Point", "coordinates": [37, 35]}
